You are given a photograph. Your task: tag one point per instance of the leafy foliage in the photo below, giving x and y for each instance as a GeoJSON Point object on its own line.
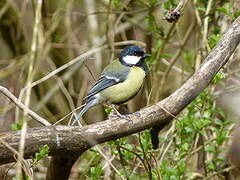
{"type": "Point", "coordinates": [16, 127]}
{"type": "Point", "coordinates": [43, 153]}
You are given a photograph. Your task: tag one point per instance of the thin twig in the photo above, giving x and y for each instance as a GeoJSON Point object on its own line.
{"type": "Point", "coordinates": [22, 160]}
{"type": "Point", "coordinates": [97, 148]}
{"type": "Point", "coordinates": [136, 154]}
{"type": "Point", "coordinates": [121, 157]}
{"type": "Point", "coordinates": [205, 26]}
{"type": "Point", "coordinates": [65, 66]}
{"type": "Point", "coordinates": [8, 169]}
{"type": "Point", "coordinates": [167, 111]}
{"type": "Point", "coordinates": [67, 115]}
{"type": "Point", "coordinates": [219, 172]}
{"type": "Point", "coordinates": [94, 37]}
{"type": "Point", "coordinates": [175, 58]}
{"type": "Point", "coordinates": [20, 105]}
{"type": "Point", "coordinates": [148, 167]}
{"type": "Point", "coordinates": [175, 68]}
{"type": "Point", "coordinates": [33, 56]}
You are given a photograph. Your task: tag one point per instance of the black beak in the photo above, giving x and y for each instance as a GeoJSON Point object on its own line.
{"type": "Point", "coordinates": [146, 55]}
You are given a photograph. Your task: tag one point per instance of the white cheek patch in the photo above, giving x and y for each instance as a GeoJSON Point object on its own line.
{"type": "Point", "coordinates": [131, 59]}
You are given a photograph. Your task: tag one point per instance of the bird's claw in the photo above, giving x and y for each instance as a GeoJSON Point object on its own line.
{"type": "Point", "coordinates": [136, 114]}
{"type": "Point", "coordinates": [124, 117]}
{"type": "Point", "coordinates": [121, 116]}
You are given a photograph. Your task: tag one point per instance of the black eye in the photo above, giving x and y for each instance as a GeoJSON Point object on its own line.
{"type": "Point", "coordinates": [138, 53]}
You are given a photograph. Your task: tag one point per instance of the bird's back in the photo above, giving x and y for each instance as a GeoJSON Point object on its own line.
{"type": "Point", "coordinates": [116, 69]}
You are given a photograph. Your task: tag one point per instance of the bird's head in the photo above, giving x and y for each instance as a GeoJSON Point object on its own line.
{"type": "Point", "coordinates": [132, 55]}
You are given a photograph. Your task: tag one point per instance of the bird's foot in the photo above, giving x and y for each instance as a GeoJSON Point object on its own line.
{"type": "Point", "coordinates": [136, 114]}
{"type": "Point", "coordinates": [123, 116]}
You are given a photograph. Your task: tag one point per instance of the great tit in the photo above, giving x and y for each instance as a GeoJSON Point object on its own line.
{"type": "Point", "coordinates": [119, 82]}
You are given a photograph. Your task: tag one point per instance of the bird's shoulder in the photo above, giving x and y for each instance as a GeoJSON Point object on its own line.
{"type": "Point", "coordinates": [116, 68]}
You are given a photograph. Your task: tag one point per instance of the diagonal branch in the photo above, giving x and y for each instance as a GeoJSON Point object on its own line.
{"type": "Point", "coordinates": [19, 104]}
{"type": "Point", "coordinates": [64, 140]}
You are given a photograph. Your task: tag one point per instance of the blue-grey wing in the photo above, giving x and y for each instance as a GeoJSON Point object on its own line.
{"type": "Point", "coordinates": [108, 78]}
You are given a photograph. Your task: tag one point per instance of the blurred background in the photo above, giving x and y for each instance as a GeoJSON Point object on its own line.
{"type": "Point", "coordinates": [39, 41]}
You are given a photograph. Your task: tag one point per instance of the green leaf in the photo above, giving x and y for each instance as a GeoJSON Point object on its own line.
{"type": "Point", "coordinates": [16, 127]}
{"type": "Point", "coordinates": [43, 153]}
{"type": "Point", "coordinates": [224, 10]}
{"type": "Point", "coordinates": [209, 148]}
{"type": "Point", "coordinates": [96, 172]}
{"type": "Point", "coordinates": [169, 4]}
{"type": "Point", "coordinates": [108, 110]}
{"type": "Point", "coordinates": [219, 76]}
{"type": "Point", "coordinates": [201, 9]}
{"type": "Point", "coordinates": [188, 57]}
{"type": "Point", "coordinates": [118, 4]}
{"type": "Point", "coordinates": [227, 10]}
{"type": "Point", "coordinates": [214, 38]}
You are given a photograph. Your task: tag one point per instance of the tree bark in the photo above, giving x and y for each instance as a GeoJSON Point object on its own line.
{"type": "Point", "coordinates": [60, 167]}
{"type": "Point", "coordinates": [67, 140]}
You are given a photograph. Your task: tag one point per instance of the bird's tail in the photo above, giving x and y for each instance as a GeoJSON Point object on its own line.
{"type": "Point", "coordinates": [84, 109]}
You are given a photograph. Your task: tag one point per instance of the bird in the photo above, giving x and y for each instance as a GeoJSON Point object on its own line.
{"type": "Point", "coordinates": [119, 82]}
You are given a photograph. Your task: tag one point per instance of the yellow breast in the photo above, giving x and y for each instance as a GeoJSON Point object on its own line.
{"type": "Point", "coordinates": [124, 91]}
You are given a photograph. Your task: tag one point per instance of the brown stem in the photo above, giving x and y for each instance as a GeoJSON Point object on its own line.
{"type": "Point", "coordinates": [61, 164]}
{"type": "Point", "coordinates": [19, 104]}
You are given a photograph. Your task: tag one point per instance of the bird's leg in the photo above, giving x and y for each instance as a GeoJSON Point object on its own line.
{"type": "Point", "coordinates": [118, 114]}
{"type": "Point", "coordinates": [123, 116]}
{"type": "Point", "coordinates": [133, 113]}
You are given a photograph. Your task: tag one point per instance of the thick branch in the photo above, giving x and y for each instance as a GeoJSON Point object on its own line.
{"type": "Point", "coordinates": [64, 140]}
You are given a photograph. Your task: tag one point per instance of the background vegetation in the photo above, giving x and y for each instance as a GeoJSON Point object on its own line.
{"type": "Point", "coordinates": [37, 37]}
